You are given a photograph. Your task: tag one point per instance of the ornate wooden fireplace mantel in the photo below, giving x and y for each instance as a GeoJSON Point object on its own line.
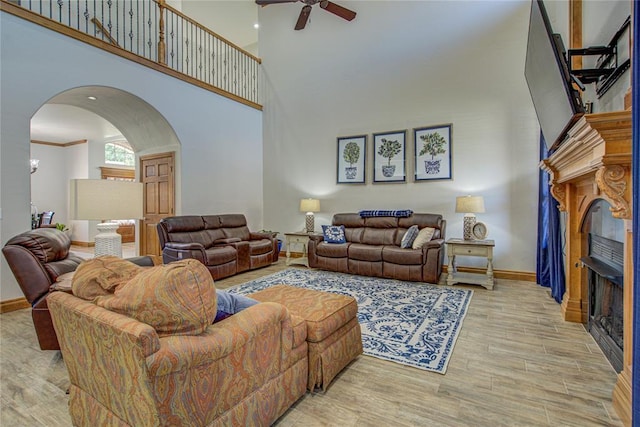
{"type": "Point", "coordinates": [595, 163]}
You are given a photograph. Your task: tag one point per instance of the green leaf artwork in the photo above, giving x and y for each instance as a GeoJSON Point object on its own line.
{"type": "Point", "coordinates": [351, 153]}
{"type": "Point", "coordinates": [434, 144]}
{"type": "Point", "coordinates": [388, 149]}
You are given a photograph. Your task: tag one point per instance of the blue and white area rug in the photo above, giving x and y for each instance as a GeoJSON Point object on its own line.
{"type": "Point", "coordinates": [410, 323]}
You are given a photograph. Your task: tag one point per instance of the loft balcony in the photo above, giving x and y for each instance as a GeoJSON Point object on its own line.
{"type": "Point", "coordinates": [154, 34]}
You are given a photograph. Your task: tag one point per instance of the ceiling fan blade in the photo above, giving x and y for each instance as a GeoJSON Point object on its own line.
{"type": "Point", "coordinates": [304, 16]}
{"type": "Point", "coordinates": [268, 2]}
{"type": "Point", "coordinates": [342, 12]}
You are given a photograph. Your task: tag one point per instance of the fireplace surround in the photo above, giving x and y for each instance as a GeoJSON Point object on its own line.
{"type": "Point", "coordinates": [592, 164]}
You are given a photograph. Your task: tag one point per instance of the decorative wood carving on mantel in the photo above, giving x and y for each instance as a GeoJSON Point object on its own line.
{"type": "Point", "coordinates": [612, 180]}
{"type": "Point", "coordinates": [599, 145]}
{"type": "Point", "coordinates": [595, 162]}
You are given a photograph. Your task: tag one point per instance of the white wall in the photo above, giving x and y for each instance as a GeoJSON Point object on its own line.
{"type": "Point", "coordinates": [220, 139]}
{"type": "Point", "coordinates": [401, 65]}
{"type": "Point", "coordinates": [49, 183]}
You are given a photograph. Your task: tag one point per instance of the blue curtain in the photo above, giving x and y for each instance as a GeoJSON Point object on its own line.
{"type": "Point", "coordinates": [635, 167]}
{"type": "Point", "coordinates": [549, 262]}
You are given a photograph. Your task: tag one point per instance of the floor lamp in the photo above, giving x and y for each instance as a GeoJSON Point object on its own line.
{"type": "Point", "coordinates": [103, 200]}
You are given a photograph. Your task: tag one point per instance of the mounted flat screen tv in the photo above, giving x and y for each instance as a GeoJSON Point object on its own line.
{"type": "Point", "coordinates": [557, 103]}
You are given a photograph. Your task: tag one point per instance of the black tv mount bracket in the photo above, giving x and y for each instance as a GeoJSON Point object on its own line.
{"type": "Point", "coordinates": [607, 70]}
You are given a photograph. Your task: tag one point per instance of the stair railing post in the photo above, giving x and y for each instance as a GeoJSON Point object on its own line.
{"type": "Point", "coordinates": [162, 58]}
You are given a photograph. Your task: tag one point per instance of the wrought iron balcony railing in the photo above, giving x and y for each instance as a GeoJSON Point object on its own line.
{"type": "Point", "coordinates": [153, 30]}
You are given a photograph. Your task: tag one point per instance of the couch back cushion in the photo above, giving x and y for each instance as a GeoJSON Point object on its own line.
{"type": "Point", "coordinates": [380, 230]}
{"type": "Point", "coordinates": [183, 224]}
{"type": "Point", "coordinates": [176, 299]}
{"type": "Point", "coordinates": [46, 244]}
{"type": "Point", "coordinates": [234, 225]}
{"type": "Point", "coordinates": [385, 230]}
{"type": "Point", "coordinates": [353, 226]}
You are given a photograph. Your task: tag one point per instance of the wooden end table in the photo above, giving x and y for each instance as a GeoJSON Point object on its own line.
{"type": "Point", "coordinates": [477, 248]}
{"type": "Point", "coordinates": [297, 238]}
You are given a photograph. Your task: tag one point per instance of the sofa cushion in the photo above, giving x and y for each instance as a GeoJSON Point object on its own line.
{"type": "Point", "coordinates": [102, 276]}
{"type": "Point", "coordinates": [218, 255]}
{"type": "Point", "coordinates": [423, 237]}
{"type": "Point", "coordinates": [333, 233]}
{"type": "Point", "coordinates": [409, 236]}
{"type": "Point", "coordinates": [259, 247]}
{"type": "Point", "coordinates": [362, 252]}
{"type": "Point", "coordinates": [396, 255]}
{"type": "Point", "coordinates": [379, 236]}
{"type": "Point", "coordinates": [176, 299]}
{"type": "Point", "coordinates": [332, 250]}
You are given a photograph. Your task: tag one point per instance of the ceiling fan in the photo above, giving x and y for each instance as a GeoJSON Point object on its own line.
{"type": "Point", "coordinates": [342, 12]}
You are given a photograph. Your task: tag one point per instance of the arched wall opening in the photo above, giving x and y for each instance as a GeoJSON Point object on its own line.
{"type": "Point", "coordinates": [95, 115]}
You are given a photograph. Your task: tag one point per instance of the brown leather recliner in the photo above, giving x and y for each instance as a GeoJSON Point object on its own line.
{"type": "Point", "coordinates": [221, 242]}
{"type": "Point", "coordinates": [36, 258]}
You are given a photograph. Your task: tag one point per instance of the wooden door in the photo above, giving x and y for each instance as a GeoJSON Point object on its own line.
{"type": "Point", "coordinates": [157, 175]}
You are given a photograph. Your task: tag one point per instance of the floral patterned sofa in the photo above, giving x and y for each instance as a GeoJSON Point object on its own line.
{"type": "Point", "coordinates": [144, 351]}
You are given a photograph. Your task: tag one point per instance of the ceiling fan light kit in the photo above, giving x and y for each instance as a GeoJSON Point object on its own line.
{"type": "Point", "coordinates": [303, 18]}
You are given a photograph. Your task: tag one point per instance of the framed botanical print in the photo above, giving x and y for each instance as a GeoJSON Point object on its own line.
{"type": "Point", "coordinates": [389, 156]}
{"type": "Point", "coordinates": [351, 165]}
{"type": "Point", "coordinates": [433, 152]}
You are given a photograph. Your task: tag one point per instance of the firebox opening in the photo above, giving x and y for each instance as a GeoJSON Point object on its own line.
{"type": "Point", "coordinates": [605, 280]}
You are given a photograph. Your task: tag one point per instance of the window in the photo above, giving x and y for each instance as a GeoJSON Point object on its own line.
{"type": "Point", "coordinates": [119, 153]}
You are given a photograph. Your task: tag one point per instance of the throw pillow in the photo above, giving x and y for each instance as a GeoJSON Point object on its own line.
{"type": "Point", "coordinates": [176, 299]}
{"type": "Point", "coordinates": [409, 236]}
{"type": "Point", "coordinates": [101, 276]}
{"type": "Point", "coordinates": [423, 237]}
{"type": "Point", "coordinates": [334, 234]}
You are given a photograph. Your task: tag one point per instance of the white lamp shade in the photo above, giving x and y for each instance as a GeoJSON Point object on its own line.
{"type": "Point", "coordinates": [469, 204]}
{"type": "Point", "coordinates": [103, 199]}
{"type": "Point", "coordinates": [309, 205]}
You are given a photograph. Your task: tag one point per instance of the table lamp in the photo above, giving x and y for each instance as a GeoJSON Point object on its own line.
{"type": "Point", "coordinates": [102, 200]}
{"type": "Point", "coordinates": [469, 205]}
{"type": "Point", "coordinates": [310, 206]}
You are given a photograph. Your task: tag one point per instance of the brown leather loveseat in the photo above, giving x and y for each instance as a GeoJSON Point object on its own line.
{"type": "Point", "coordinates": [223, 243]}
{"type": "Point", "coordinates": [37, 259]}
{"type": "Point", "coordinates": [372, 248]}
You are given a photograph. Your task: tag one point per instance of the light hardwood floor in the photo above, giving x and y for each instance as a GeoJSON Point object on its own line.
{"type": "Point", "coordinates": [516, 363]}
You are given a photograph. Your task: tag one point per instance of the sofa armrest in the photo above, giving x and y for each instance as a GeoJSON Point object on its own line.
{"type": "Point", "coordinates": [143, 260]}
{"type": "Point", "coordinates": [176, 251]}
{"type": "Point", "coordinates": [434, 251]}
{"type": "Point", "coordinates": [259, 236]}
{"type": "Point", "coordinates": [264, 325]}
{"type": "Point", "coordinates": [184, 246]}
{"type": "Point", "coordinates": [435, 243]}
{"type": "Point", "coordinates": [317, 238]}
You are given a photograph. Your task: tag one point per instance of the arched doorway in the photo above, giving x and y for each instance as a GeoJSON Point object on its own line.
{"type": "Point", "coordinates": [120, 115]}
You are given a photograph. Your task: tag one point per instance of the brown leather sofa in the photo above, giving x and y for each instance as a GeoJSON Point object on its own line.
{"type": "Point", "coordinates": [223, 243]}
{"type": "Point", "coordinates": [372, 248]}
{"type": "Point", "coordinates": [36, 258]}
